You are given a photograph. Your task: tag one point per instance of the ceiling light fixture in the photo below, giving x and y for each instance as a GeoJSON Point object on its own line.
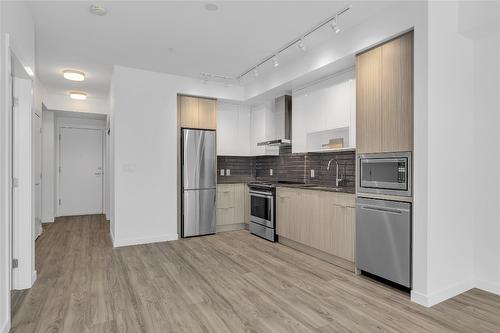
{"type": "Point", "coordinates": [335, 25]}
{"type": "Point", "coordinates": [301, 45]}
{"type": "Point", "coordinates": [211, 7]}
{"type": "Point", "coordinates": [29, 71]}
{"type": "Point", "coordinates": [299, 42]}
{"type": "Point", "coordinates": [78, 95]}
{"type": "Point", "coordinates": [70, 74]}
{"type": "Point", "coordinates": [98, 10]}
{"type": "Point", "coordinates": [275, 61]}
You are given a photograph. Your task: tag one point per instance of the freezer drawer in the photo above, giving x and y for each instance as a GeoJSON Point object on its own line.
{"type": "Point", "coordinates": [383, 239]}
{"type": "Point", "coordinates": [198, 208]}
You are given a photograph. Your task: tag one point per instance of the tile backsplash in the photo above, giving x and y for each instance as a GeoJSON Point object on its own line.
{"type": "Point", "coordinates": [290, 167]}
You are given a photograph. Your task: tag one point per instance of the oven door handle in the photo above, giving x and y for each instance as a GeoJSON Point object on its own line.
{"type": "Point", "coordinates": [261, 194]}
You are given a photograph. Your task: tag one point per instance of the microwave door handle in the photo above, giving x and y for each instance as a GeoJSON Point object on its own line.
{"type": "Point", "coordinates": [380, 160]}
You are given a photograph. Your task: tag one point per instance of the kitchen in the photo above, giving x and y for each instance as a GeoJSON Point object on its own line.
{"type": "Point", "coordinates": [322, 174]}
{"type": "Point", "coordinates": [326, 170]}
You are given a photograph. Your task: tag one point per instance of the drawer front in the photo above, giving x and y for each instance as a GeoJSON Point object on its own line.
{"type": "Point", "coordinates": [225, 196]}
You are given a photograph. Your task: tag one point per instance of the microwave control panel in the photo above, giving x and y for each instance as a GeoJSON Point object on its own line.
{"type": "Point", "coordinates": [401, 172]}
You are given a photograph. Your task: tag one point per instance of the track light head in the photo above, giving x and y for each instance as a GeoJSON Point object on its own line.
{"type": "Point", "coordinates": [275, 61]}
{"type": "Point", "coordinates": [255, 72]}
{"type": "Point", "coordinates": [335, 25]}
{"type": "Point", "coordinates": [301, 45]}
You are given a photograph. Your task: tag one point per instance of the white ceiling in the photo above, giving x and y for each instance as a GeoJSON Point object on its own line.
{"type": "Point", "coordinates": [173, 37]}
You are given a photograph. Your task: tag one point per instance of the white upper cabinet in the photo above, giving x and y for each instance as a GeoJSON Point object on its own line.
{"type": "Point", "coordinates": [263, 120]}
{"type": "Point", "coordinates": [233, 129]}
{"type": "Point", "coordinates": [323, 111]}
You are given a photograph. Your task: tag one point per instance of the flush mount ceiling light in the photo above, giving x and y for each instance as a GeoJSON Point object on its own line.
{"type": "Point", "coordinates": [29, 71]}
{"type": "Point", "coordinates": [98, 10]}
{"type": "Point", "coordinates": [78, 95]}
{"type": "Point", "coordinates": [70, 74]}
{"type": "Point", "coordinates": [211, 7]}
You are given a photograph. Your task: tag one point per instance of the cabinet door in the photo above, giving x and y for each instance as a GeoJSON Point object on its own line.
{"type": "Point", "coordinates": [285, 214]}
{"type": "Point", "coordinates": [225, 216]}
{"type": "Point", "coordinates": [189, 111]}
{"type": "Point", "coordinates": [207, 113]}
{"type": "Point", "coordinates": [368, 101]}
{"type": "Point", "coordinates": [397, 94]}
{"type": "Point", "coordinates": [225, 196]}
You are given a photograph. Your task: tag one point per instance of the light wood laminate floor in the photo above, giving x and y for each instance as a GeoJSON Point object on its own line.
{"type": "Point", "coordinates": [230, 282]}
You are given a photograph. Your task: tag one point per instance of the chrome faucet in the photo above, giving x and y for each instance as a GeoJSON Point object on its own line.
{"type": "Point", "coordinates": [337, 179]}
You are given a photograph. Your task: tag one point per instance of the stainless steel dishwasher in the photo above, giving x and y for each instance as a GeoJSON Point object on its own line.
{"type": "Point", "coordinates": [383, 239]}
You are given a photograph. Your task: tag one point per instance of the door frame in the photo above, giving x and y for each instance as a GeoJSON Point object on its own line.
{"type": "Point", "coordinates": [8, 239]}
{"type": "Point", "coordinates": [101, 129]}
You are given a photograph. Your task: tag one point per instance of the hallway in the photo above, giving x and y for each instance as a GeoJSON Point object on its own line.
{"type": "Point", "coordinates": [230, 282]}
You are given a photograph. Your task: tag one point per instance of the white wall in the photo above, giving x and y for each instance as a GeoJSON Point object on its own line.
{"type": "Point", "coordinates": [15, 20]}
{"type": "Point", "coordinates": [486, 159]}
{"type": "Point", "coordinates": [64, 103]}
{"type": "Point", "coordinates": [450, 118]}
{"type": "Point", "coordinates": [144, 136]}
{"type": "Point", "coordinates": [48, 166]}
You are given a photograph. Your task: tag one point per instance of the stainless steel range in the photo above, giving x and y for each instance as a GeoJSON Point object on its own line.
{"type": "Point", "coordinates": [262, 210]}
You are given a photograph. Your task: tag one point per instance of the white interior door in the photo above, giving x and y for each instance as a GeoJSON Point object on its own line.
{"type": "Point", "coordinates": [37, 172]}
{"type": "Point", "coordinates": [80, 173]}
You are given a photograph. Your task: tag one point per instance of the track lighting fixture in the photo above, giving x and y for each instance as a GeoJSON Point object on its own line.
{"type": "Point", "coordinates": [275, 61]}
{"type": "Point", "coordinates": [301, 45]}
{"type": "Point", "coordinates": [335, 24]}
{"type": "Point", "coordinates": [332, 21]}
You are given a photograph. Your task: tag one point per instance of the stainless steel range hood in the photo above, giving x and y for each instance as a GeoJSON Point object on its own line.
{"type": "Point", "coordinates": [283, 107]}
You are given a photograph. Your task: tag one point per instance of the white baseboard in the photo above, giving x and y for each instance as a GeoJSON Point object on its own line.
{"type": "Point", "coordinates": [488, 286]}
{"type": "Point", "coordinates": [34, 276]}
{"type": "Point", "coordinates": [144, 240]}
{"type": "Point", "coordinates": [6, 326]}
{"type": "Point", "coordinates": [440, 296]}
{"type": "Point", "coordinates": [111, 236]}
{"type": "Point", "coordinates": [47, 219]}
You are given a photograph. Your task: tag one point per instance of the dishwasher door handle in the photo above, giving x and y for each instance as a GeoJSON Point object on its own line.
{"type": "Point", "coordinates": [385, 209]}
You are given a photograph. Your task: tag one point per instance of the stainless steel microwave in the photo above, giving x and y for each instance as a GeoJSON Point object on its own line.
{"type": "Point", "coordinates": [385, 173]}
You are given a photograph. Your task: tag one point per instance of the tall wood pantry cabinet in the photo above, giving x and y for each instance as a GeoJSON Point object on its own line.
{"type": "Point", "coordinates": [384, 97]}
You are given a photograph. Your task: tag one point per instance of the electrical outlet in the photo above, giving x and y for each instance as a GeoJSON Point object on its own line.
{"type": "Point", "coordinates": [222, 172]}
{"type": "Point", "coordinates": [270, 172]}
{"type": "Point", "coordinates": [312, 173]}
{"type": "Point", "coordinates": [228, 172]}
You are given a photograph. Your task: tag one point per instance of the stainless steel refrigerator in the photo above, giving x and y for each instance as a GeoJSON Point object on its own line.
{"type": "Point", "coordinates": [199, 177]}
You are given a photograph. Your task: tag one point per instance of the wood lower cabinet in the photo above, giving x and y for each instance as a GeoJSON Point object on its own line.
{"type": "Point", "coordinates": [232, 204]}
{"type": "Point", "coordinates": [384, 97]}
{"type": "Point", "coordinates": [322, 220]}
{"type": "Point", "coordinates": [197, 112]}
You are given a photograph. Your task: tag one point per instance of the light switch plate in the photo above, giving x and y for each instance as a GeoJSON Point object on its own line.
{"type": "Point", "coordinates": [222, 172]}
{"type": "Point", "coordinates": [312, 173]}
{"type": "Point", "coordinates": [270, 172]}
{"type": "Point", "coordinates": [228, 172]}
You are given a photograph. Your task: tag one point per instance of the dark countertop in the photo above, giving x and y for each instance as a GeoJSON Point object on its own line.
{"type": "Point", "coordinates": [313, 187]}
